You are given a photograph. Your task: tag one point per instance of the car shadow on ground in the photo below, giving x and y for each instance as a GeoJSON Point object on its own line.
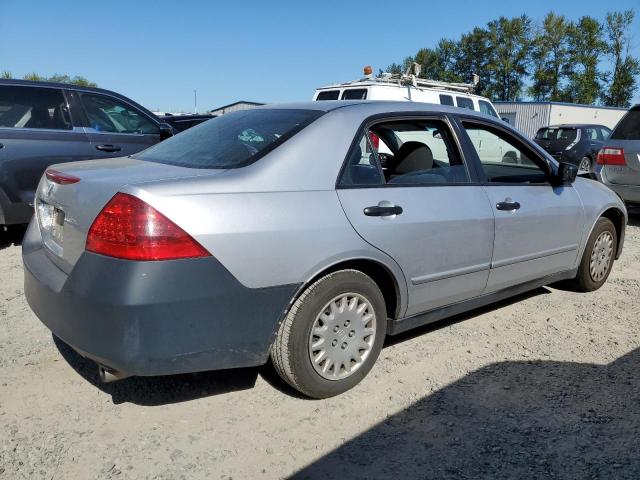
{"type": "Point", "coordinates": [535, 419]}
{"type": "Point", "coordinates": [151, 391]}
{"type": "Point", "coordinates": [11, 235]}
{"type": "Point", "coordinates": [634, 216]}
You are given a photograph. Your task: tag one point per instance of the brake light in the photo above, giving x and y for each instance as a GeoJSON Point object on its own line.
{"type": "Point", "coordinates": [375, 140]}
{"type": "Point", "coordinates": [131, 229]}
{"type": "Point", "coordinates": [611, 156]}
{"type": "Point", "coordinates": [60, 178]}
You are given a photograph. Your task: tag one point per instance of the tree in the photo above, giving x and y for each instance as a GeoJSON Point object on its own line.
{"type": "Point", "coordinates": [585, 46]}
{"type": "Point", "coordinates": [549, 56]}
{"type": "Point", "coordinates": [58, 77]}
{"type": "Point", "coordinates": [626, 68]}
{"type": "Point", "coordinates": [6, 74]}
{"type": "Point", "coordinates": [508, 41]}
{"type": "Point", "coordinates": [472, 55]}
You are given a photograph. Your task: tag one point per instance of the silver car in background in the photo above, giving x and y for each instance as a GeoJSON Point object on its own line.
{"type": "Point", "coordinates": [619, 160]}
{"type": "Point", "coordinates": [305, 234]}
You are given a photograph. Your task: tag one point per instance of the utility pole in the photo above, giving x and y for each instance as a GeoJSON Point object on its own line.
{"type": "Point", "coordinates": [195, 101]}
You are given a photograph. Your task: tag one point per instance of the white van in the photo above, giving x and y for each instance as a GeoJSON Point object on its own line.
{"type": "Point", "coordinates": [408, 88]}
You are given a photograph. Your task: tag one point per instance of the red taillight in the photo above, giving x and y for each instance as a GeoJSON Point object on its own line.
{"type": "Point", "coordinates": [611, 156]}
{"type": "Point", "coordinates": [375, 140]}
{"type": "Point", "coordinates": [60, 178]}
{"type": "Point", "coordinates": [129, 228]}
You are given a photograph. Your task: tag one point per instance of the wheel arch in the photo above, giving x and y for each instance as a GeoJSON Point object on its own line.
{"type": "Point", "coordinates": [618, 219]}
{"type": "Point", "coordinates": [380, 273]}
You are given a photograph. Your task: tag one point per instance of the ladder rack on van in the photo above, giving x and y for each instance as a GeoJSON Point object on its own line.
{"type": "Point", "coordinates": [411, 79]}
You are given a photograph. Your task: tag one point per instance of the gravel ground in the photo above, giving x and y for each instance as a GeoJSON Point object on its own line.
{"type": "Point", "coordinates": [543, 386]}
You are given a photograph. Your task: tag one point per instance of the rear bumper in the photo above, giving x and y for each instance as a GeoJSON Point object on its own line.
{"type": "Point", "coordinates": [153, 318]}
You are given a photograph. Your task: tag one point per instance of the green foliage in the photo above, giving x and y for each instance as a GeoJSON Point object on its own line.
{"type": "Point", "coordinates": [622, 82]}
{"type": "Point", "coordinates": [555, 60]}
{"type": "Point", "coordinates": [58, 77]}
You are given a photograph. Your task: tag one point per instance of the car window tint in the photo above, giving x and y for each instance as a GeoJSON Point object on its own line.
{"type": "Point", "coordinates": [108, 114]}
{"type": "Point", "coordinates": [604, 133]}
{"type": "Point", "coordinates": [464, 102]}
{"type": "Point", "coordinates": [33, 107]}
{"type": "Point", "coordinates": [354, 94]}
{"type": "Point", "coordinates": [231, 140]}
{"type": "Point", "coordinates": [591, 133]}
{"type": "Point", "coordinates": [629, 126]}
{"type": "Point", "coordinates": [446, 100]}
{"type": "Point", "coordinates": [417, 152]}
{"type": "Point", "coordinates": [328, 95]}
{"type": "Point", "coordinates": [503, 159]}
{"type": "Point", "coordinates": [486, 108]}
{"type": "Point", "coordinates": [362, 167]}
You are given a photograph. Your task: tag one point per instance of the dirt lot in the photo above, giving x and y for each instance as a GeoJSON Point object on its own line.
{"type": "Point", "coordinates": [544, 386]}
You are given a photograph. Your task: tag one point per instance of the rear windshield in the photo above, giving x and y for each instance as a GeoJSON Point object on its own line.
{"type": "Point", "coordinates": [232, 140]}
{"type": "Point", "coordinates": [354, 94]}
{"type": "Point", "coordinates": [557, 134]}
{"type": "Point", "coordinates": [328, 95]}
{"type": "Point", "coordinates": [629, 126]}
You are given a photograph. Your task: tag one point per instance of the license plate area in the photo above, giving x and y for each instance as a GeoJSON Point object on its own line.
{"type": "Point", "coordinates": [51, 221]}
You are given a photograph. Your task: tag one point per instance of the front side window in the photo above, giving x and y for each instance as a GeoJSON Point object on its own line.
{"type": "Point", "coordinates": [464, 102]}
{"type": "Point", "coordinates": [487, 109]}
{"type": "Point", "coordinates": [503, 158]}
{"type": "Point", "coordinates": [108, 114]}
{"type": "Point", "coordinates": [231, 140]}
{"type": "Point", "coordinates": [328, 95]}
{"type": "Point", "coordinates": [408, 152]}
{"type": "Point", "coordinates": [33, 107]}
{"type": "Point", "coordinates": [354, 94]}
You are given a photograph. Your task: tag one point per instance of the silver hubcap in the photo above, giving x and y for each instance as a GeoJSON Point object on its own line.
{"type": "Point", "coordinates": [342, 336]}
{"type": "Point", "coordinates": [601, 256]}
{"type": "Point", "coordinates": [585, 165]}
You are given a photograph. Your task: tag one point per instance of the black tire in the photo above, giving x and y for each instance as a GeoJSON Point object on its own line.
{"type": "Point", "coordinates": [584, 281]}
{"type": "Point", "coordinates": [290, 351]}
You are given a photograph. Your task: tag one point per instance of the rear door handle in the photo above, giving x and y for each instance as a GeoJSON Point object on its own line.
{"type": "Point", "coordinates": [379, 211]}
{"type": "Point", "coordinates": [109, 148]}
{"type": "Point", "coordinates": [509, 206]}
{"type": "Point", "coordinates": [1, 145]}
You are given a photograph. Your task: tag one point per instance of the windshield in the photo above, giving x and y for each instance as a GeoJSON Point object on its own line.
{"type": "Point", "coordinates": [232, 140]}
{"type": "Point", "coordinates": [629, 126]}
{"type": "Point", "coordinates": [564, 135]}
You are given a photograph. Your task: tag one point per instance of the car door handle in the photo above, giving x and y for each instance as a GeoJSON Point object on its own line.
{"type": "Point", "coordinates": [379, 211]}
{"type": "Point", "coordinates": [1, 145]}
{"type": "Point", "coordinates": [109, 148]}
{"type": "Point", "coordinates": [508, 206]}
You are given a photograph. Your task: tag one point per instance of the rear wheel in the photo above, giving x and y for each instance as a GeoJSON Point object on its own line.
{"type": "Point", "coordinates": [585, 165]}
{"type": "Point", "coordinates": [598, 256]}
{"type": "Point", "coordinates": [332, 335]}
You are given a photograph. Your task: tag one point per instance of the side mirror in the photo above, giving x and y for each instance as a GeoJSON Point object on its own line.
{"type": "Point", "coordinates": [166, 131]}
{"type": "Point", "coordinates": [567, 173]}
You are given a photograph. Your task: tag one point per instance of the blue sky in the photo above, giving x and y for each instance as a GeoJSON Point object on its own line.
{"type": "Point", "coordinates": [158, 52]}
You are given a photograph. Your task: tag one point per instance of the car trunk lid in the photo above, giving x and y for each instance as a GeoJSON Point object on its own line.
{"type": "Point", "coordinates": [65, 210]}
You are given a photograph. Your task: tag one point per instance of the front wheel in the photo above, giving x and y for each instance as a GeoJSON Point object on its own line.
{"type": "Point", "coordinates": [332, 335]}
{"type": "Point", "coordinates": [598, 256]}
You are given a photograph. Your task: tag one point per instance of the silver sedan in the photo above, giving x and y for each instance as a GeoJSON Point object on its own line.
{"type": "Point", "coordinates": [305, 234]}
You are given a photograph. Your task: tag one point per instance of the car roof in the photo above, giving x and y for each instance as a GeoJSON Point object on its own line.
{"type": "Point", "coordinates": [373, 107]}
{"type": "Point", "coordinates": [576, 125]}
{"type": "Point", "coordinates": [373, 83]}
{"type": "Point", "coordinates": [73, 86]}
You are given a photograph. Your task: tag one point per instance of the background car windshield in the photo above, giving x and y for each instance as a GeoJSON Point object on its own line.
{"type": "Point", "coordinates": [232, 140]}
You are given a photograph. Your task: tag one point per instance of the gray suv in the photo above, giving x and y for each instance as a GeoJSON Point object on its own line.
{"type": "Point", "coordinates": [43, 123]}
{"type": "Point", "coordinates": [619, 160]}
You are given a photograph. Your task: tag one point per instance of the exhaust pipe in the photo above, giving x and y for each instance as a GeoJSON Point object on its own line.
{"type": "Point", "coordinates": [108, 375]}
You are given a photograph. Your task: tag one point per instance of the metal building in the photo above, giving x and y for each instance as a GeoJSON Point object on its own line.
{"type": "Point", "coordinates": [234, 107]}
{"type": "Point", "coordinates": [529, 117]}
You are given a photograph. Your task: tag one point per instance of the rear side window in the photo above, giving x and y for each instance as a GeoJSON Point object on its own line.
{"type": "Point", "coordinates": [232, 140]}
{"type": "Point", "coordinates": [486, 108]}
{"type": "Point", "coordinates": [629, 126]}
{"type": "Point", "coordinates": [446, 100]}
{"type": "Point", "coordinates": [464, 102]}
{"type": "Point", "coordinates": [354, 94]}
{"type": "Point", "coordinates": [328, 95]}
{"type": "Point", "coordinates": [33, 107]}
